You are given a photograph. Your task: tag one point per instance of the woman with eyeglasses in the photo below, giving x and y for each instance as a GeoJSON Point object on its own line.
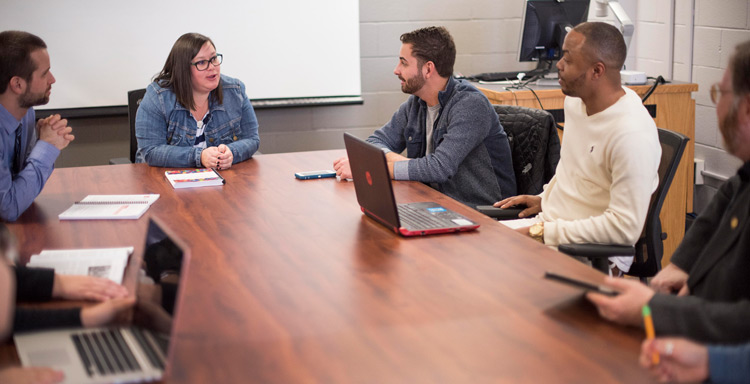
{"type": "Point", "coordinates": [192, 115]}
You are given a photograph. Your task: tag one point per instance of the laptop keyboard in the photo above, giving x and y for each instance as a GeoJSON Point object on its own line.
{"type": "Point", "coordinates": [153, 357]}
{"type": "Point", "coordinates": [105, 352]}
{"type": "Point", "coordinates": [418, 219]}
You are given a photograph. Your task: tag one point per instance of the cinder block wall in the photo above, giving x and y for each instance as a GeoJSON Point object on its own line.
{"type": "Point", "coordinates": [719, 27]}
{"type": "Point", "coordinates": [705, 34]}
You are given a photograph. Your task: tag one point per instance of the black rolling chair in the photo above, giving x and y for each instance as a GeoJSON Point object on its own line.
{"type": "Point", "coordinates": [534, 148]}
{"type": "Point", "coordinates": [134, 100]}
{"type": "Point", "coordinates": [534, 145]}
{"type": "Point", "coordinates": [648, 250]}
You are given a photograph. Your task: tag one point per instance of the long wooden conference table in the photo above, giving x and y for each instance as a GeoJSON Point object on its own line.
{"type": "Point", "coordinates": [289, 282]}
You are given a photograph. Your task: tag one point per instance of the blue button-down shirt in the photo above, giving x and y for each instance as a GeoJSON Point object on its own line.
{"type": "Point", "coordinates": [17, 192]}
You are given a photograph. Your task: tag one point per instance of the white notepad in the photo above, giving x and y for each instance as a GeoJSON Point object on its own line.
{"type": "Point", "coordinates": [109, 207]}
{"type": "Point", "coordinates": [108, 263]}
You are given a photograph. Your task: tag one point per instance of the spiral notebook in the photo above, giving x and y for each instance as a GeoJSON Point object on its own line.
{"type": "Point", "coordinates": [109, 207]}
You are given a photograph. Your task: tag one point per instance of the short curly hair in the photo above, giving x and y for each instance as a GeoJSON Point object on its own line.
{"type": "Point", "coordinates": [604, 43]}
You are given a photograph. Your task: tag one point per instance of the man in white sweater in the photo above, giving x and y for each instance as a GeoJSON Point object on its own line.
{"type": "Point", "coordinates": [610, 152]}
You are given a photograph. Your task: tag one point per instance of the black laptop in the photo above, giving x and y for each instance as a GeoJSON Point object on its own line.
{"type": "Point", "coordinates": [372, 183]}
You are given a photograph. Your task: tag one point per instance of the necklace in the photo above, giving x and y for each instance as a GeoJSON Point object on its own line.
{"type": "Point", "coordinates": [200, 110]}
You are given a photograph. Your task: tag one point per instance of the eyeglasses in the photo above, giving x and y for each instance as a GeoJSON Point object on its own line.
{"type": "Point", "coordinates": [716, 93]}
{"type": "Point", "coordinates": [202, 65]}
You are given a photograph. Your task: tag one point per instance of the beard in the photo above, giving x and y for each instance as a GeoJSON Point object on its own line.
{"type": "Point", "coordinates": [29, 100]}
{"type": "Point", "coordinates": [569, 87]}
{"type": "Point", "coordinates": [728, 128]}
{"type": "Point", "coordinates": [413, 85]}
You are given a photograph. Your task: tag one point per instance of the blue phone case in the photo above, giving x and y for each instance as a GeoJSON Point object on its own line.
{"type": "Point", "coordinates": [318, 175]}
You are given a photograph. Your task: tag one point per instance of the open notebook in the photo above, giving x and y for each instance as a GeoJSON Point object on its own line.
{"type": "Point", "coordinates": [108, 263]}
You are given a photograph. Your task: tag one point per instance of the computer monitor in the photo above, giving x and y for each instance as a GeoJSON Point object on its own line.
{"type": "Point", "coordinates": [545, 24]}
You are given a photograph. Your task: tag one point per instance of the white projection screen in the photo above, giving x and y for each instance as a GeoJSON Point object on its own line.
{"type": "Point", "coordinates": [280, 49]}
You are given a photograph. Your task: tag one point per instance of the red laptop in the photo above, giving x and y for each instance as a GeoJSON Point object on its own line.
{"type": "Point", "coordinates": [372, 183]}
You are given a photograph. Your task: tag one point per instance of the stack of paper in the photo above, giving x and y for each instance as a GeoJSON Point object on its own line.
{"type": "Point", "coordinates": [109, 207]}
{"type": "Point", "coordinates": [108, 263]}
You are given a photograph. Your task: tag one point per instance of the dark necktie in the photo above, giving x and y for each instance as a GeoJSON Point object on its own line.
{"type": "Point", "coordinates": [17, 155]}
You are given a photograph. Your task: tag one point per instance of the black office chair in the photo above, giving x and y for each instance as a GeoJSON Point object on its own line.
{"type": "Point", "coordinates": [648, 250]}
{"type": "Point", "coordinates": [534, 148]}
{"type": "Point", "coordinates": [134, 100]}
{"type": "Point", "coordinates": [534, 145]}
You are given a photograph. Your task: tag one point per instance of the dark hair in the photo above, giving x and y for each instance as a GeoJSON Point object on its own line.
{"type": "Point", "coordinates": [15, 56]}
{"type": "Point", "coordinates": [176, 71]}
{"type": "Point", "coordinates": [604, 43]}
{"type": "Point", "coordinates": [433, 44]}
{"type": "Point", "coordinates": [740, 67]}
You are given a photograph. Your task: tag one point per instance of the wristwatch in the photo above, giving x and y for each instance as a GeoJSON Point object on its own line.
{"type": "Point", "coordinates": [536, 231]}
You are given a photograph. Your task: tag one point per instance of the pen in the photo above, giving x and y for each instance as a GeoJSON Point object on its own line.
{"type": "Point", "coordinates": [217, 174]}
{"type": "Point", "coordinates": [649, 325]}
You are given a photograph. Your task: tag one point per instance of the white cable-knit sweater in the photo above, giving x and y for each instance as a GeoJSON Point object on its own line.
{"type": "Point", "coordinates": [607, 172]}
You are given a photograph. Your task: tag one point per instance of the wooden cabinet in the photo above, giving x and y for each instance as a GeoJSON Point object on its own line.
{"type": "Point", "coordinates": [675, 110]}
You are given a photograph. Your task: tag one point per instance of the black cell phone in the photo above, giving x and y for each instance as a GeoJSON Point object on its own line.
{"type": "Point", "coordinates": [509, 213]}
{"type": "Point", "coordinates": [580, 284]}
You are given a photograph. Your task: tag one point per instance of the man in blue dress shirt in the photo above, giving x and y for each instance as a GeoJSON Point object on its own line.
{"type": "Point", "coordinates": [27, 149]}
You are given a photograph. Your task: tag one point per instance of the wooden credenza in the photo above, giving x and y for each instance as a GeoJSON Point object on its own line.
{"type": "Point", "coordinates": [675, 110]}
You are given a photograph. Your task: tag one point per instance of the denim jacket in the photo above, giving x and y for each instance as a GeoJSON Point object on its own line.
{"type": "Point", "coordinates": [166, 130]}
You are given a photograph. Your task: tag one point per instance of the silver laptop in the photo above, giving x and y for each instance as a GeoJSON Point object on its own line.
{"type": "Point", "coordinates": [118, 354]}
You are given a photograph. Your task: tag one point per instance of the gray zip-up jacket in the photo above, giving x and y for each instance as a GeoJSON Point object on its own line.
{"type": "Point", "coordinates": [471, 161]}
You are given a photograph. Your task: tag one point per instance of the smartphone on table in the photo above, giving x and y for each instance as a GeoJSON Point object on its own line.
{"type": "Point", "coordinates": [315, 174]}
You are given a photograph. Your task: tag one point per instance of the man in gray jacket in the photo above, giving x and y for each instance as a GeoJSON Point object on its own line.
{"type": "Point", "coordinates": [451, 134]}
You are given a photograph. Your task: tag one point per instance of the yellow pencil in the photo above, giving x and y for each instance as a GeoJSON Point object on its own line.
{"type": "Point", "coordinates": [650, 334]}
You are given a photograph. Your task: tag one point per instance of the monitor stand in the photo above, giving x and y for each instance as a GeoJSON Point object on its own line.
{"type": "Point", "coordinates": [549, 78]}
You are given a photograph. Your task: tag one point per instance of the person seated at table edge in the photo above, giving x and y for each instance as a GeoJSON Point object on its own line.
{"type": "Point", "coordinates": [26, 161]}
{"type": "Point", "coordinates": [14, 374]}
{"type": "Point", "coordinates": [610, 154]}
{"type": "Point", "coordinates": [453, 139]}
{"type": "Point", "coordinates": [710, 268]}
{"type": "Point", "coordinates": [43, 284]}
{"type": "Point", "coordinates": [192, 115]}
{"type": "Point", "coordinates": [683, 361]}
